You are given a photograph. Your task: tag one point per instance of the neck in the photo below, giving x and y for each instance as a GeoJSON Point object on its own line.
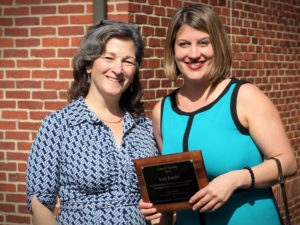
{"type": "Point", "coordinates": [195, 91]}
{"type": "Point", "coordinates": [108, 110]}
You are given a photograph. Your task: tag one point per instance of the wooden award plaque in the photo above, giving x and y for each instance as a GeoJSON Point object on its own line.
{"type": "Point", "coordinates": [169, 181]}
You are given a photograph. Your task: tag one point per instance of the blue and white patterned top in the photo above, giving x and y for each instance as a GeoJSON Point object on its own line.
{"type": "Point", "coordinates": [74, 156]}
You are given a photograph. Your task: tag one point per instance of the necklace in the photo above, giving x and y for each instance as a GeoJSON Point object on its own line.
{"type": "Point", "coordinates": [118, 121]}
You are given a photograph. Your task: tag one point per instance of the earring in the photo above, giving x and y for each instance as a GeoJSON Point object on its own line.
{"type": "Point", "coordinates": [131, 88]}
{"type": "Point", "coordinates": [88, 79]}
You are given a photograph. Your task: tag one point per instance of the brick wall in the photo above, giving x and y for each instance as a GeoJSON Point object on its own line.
{"type": "Point", "coordinates": [38, 39]}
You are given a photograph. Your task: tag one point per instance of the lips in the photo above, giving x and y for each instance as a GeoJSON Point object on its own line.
{"type": "Point", "coordinates": [195, 65]}
{"type": "Point", "coordinates": [114, 79]}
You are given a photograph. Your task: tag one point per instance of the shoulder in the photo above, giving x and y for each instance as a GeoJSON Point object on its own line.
{"type": "Point", "coordinates": [249, 93]}
{"type": "Point", "coordinates": [144, 122]}
{"type": "Point", "coordinates": [253, 105]}
{"type": "Point", "coordinates": [157, 107]}
{"type": "Point", "coordinates": [63, 115]}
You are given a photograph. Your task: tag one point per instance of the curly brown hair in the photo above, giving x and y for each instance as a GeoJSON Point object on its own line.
{"type": "Point", "coordinates": [92, 47]}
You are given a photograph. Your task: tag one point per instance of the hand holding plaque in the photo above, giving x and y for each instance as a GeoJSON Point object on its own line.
{"type": "Point", "coordinates": [169, 181]}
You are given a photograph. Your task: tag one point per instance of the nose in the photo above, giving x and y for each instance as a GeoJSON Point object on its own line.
{"type": "Point", "coordinates": [117, 67]}
{"type": "Point", "coordinates": [194, 52]}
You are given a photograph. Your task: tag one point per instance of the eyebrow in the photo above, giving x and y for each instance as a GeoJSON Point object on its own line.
{"type": "Point", "coordinates": [114, 54]}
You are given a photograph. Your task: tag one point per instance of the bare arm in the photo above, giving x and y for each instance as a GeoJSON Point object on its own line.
{"type": "Point", "coordinates": [257, 113]}
{"type": "Point", "coordinates": [156, 113]}
{"type": "Point", "coordinates": [41, 215]}
{"type": "Point", "coordinates": [260, 116]}
{"type": "Point", "coordinates": [146, 208]}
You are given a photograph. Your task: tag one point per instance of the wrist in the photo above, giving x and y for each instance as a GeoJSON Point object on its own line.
{"type": "Point", "coordinates": [242, 179]}
{"type": "Point", "coordinates": [252, 185]}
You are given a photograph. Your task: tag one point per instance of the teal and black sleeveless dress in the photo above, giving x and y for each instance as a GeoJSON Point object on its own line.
{"type": "Point", "coordinates": [226, 145]}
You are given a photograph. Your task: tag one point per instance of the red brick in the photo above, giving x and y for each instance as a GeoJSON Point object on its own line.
{"type": "Point", "coordinates": [75, 41]}
{"type": "Point", "coordinates": [21, 115]}
{"type": "Point", "coordinates": [69, 52]}
{"type": "Point", "coordinates": [44, 74]}
{"type": "Point", "coordinates": [7, 188]}
{"type": "Point", "coordinates": [7, 145]}
{"type": "Point", "coordinates": [6, 21]}
{"type": "Point", "coordinates": [18, 177]}
{"type": "Point", "coordinates": [24, 146]}
{"type": "Point", "coordinates": [55, 105]}
{"type": "Point", "coordinates": [160, 11]}
{"type": "Point", "coordinates": [55, 42]}
{"type": "Point", "coordinates": [141, 19]}
{"type": "Point", "coordinates": [8, 125]}
{"type": "Point", "coordinates": [18, 74]}
{"type": "Point", "coordinates": [6, 42]}
{"type": "Point", "coordinates": [44, 95]}
{"type": "Point", "coordinates": [29, 125]}
{"type": "Point", "coordinates": [2, 175]}
{"type": "Point", "coordinates": [7, 104]}
{"type": "Point", "coordinates": [55, 1]}
{"type": "Point", "coordinates": [18, 219]}
{"type": "Point", "coordinates": [7, 208]}
{"type": "Point", "coordinates": [13, 53]}
{"type": "Point", "coordinates": [6, 2]}
{"type": "Point", "coordinates": [16, 11]}
{"type": "Point", "coordinates": [29, 63]}
{"type": "Point", "coordinates": [86, 19]}
{"type": "Point", "coordinates": [71, 9]}
{"type": "Point", "coordinates": [68, 31]}
{"type": "Point", "coordinates": [38, 115]}
{"type": "Point", "coordinates": [30, 105]}
{"type": "Point", "coordinates": [153, 20]}
{"type": "Point", "coordinates": [29, 2]}
{"type": "Point", "coordinates": [23, 209]}
{"type": "Point", "coordinates": [63, 95]}
{"type": "Point", "coordinates": [28, 84]}
{"type": "Point", "coordinates": [56, 85]}
{"type": "Point", "coordinates": [154, 63]}
{"type": "Point", "coordinates": [44, 53]}
{"type": "Point", "coordinates": [16, 135]}
{"type": "Point", "coordinates": [56, 63]}
{"type": "Point", "coordinates": [43, 31]}
{"type": "Point", "coordinates": [121, 17]}
{"type": "Point", "coordinates": [7, 84]}
{"type": "Point", "coordinates": [66, 74]}
{"type": "Point", "coordinates": [27, 21]}
{"type": "Point", "coordinates": [18, 94]}
{"type": "Point", "coordinates": [154, 42]}
{"type": "Point", "coordinates": [122, 7]}
{"type": "Point", "coordinates": [16, 32]}
{"type": "Point", "coordinates": [154, 83]}
{"type": "Point", "coordinates": [30, 42]}
{"type": "Point", "coordinates": [7, 63]}
{"type": "Point", "coordinates": [8, 166]}
{"type": "Point", "coordinates": [54, 20]}
{"type": "Point", "coordinates": [43, 10]}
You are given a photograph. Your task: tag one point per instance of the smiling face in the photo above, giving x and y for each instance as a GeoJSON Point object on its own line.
{"type": "Point", "coordinates": [113, 71]}
{"type": "Point", "coordinates": [193, 53]}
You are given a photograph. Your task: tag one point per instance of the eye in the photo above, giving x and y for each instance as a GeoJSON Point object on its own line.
{"type": "Point", "coordinates": [107, 57]}
{"type": "Point", "coordinates": [183, 44]}
{"type": "Point", "coordinates": [129, 62]}
{"type": "Point", "coordinates": [204, 42]}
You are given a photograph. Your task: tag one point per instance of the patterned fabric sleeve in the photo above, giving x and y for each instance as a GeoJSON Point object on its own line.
{"type": "Point", "coordinates": [42, 165]}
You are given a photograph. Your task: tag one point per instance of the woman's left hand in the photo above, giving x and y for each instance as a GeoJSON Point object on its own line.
{"type": "Point", "coordinates": [215, 194]}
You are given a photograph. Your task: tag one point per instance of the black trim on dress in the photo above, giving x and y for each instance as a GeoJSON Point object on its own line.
{"type": "Point", "coordinates": [202, 109]}
{"type": "Point", "coordinates": [161, 114]}
{"type": "Point", "coordinates": [187, 133]}
{"type": "Point", "coordinates": [233, 108]}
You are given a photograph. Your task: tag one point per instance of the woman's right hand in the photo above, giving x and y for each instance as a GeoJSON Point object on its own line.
{"type": "Point", "coordinates": [147, 209]}
{"type": "Point", "coordinates": [41, 215]}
